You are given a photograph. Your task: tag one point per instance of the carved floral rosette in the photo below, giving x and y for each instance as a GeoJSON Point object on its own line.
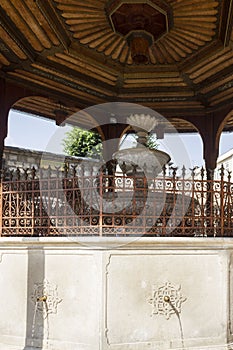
{"type": "Point", "coordinates": [166, 300]}
{"type": "Point", "coordinates": [49, 292]}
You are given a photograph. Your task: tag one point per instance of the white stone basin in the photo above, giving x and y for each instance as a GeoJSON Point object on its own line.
{"type": "Point", "coordinates": [151, 161]}
{"type": "Point", "coordinates": [109, 293]}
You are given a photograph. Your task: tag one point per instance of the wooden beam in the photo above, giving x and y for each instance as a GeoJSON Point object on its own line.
{"type": "Point", "coordinates": [226, 21]}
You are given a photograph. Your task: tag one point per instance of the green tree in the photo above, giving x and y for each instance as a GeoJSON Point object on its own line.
{"type": "Point", "coordinates": [83, 143]}
{"type": "Point", "coordinates": [152, 141]}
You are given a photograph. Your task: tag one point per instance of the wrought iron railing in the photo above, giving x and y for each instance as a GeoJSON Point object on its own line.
{"type": "Point", "coordinates": [80, 201]}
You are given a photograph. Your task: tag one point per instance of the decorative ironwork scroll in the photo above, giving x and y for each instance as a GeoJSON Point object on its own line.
{"type": "Point", "coordinates": [82, 201]}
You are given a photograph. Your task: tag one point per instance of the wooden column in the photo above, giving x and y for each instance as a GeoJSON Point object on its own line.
{"type": "Point", "coordinates": [10, 93]}
{"type": "Point", "coordinates": [211, 144]}
{"type": "Point", "coordinates": [4, 112]}
{"type": "Point", "coordinates": [211, 133]}
{"type": "Point", "coordinates": [112, 133]}
{"type": "Point", "coordinates": [209, 127]}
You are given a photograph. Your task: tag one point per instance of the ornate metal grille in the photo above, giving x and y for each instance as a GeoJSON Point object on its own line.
{"type": "Point", "coordinates": [82, 201]}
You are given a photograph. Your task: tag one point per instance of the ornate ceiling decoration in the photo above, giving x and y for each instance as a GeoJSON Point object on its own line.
{"type": "Point", "coordinates": [140, 24]}
{"type": "Point", "coordinates": [194, 26]}
{"type": "Point", "coordinates": [81, 53]}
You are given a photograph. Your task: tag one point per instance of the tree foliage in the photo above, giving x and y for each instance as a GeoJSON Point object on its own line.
{"type": "Point", "coordinates": [152, 142]}
{"type": "Point", "coordinates": [83, 143]}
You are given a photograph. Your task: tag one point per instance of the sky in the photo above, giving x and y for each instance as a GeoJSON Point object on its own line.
{"type": "Point", "coordinates": [36, 133]}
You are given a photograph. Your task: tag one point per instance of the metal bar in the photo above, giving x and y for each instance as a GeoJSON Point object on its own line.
{"type": "Point", "coordinates": [222, 195]}
{"type": "Point", "coordinates": [1, 204]}
{"type": "Point", "coordinates": [101, 183]}
{"type": "Point", "coordinates": [165, 211]}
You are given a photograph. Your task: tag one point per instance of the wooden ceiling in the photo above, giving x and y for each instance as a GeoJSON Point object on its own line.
{"type": "Point", "coordinates": [68, 52]}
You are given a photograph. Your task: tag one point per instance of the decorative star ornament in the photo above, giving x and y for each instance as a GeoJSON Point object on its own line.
{"type": "Point", "coordinates": [166, 300]}
{"type": "Point", "coordinates": [45, 297]}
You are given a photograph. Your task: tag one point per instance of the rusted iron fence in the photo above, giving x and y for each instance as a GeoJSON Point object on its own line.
{"type": "Point", "coordinates": [81, 201]}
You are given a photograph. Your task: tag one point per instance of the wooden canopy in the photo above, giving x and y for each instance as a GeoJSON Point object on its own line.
{"type": "Point", "coordinates": [60, 56]}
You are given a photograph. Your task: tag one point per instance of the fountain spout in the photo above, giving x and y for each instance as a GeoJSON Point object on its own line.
{"type": "Point", "coordinates": [42, 298]}
{"type": "Point", "coordinates": [167, 299]}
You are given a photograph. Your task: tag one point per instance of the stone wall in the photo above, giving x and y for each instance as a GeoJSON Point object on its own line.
{"type": "Point", "coordinates": [15, 157]}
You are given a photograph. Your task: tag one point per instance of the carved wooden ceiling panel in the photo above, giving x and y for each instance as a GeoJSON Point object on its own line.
{"type": "Point", "coordinates": [69, 51]}
{"type": "Point", "coordinates": [195, 24]}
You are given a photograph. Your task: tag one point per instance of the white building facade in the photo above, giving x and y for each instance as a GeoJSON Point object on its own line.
{"type": "Point", "coordinates": [225, 161]}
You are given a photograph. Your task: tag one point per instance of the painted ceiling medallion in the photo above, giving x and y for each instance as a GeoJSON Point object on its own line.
{"type": "Point", "coordinates": [141, 23]}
